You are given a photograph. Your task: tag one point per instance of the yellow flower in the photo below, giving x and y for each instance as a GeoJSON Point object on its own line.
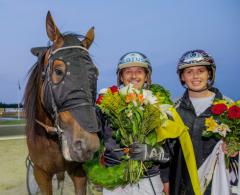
{"type": "Point", "coordinates": [238, 103]}
{"type": "Point", "coordinates": [211, 124]}
{"type": "Point", "coordinates": [222, 101]}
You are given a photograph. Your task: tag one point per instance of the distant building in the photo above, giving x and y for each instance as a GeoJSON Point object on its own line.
{"type": "Point", "coordinates": [1, 111]}
{"type": "Point", "coordinates": [11, 112]}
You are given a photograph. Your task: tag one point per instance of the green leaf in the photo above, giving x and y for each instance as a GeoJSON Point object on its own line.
{"type": "Point", "coordinates": [108, 177]}
{"type": "Point", "coordinates": [162, 94]}
{"type": "Point", "coordinates": [135, 128]}
{"type": "Point", "coordinates": [151, 138]}
{"type": "Point", "coordinates": [115, 176]}
{"type": "Point", "coordinates": [207, 134]}
{"type": "Point", "coordinates": [151, 119]}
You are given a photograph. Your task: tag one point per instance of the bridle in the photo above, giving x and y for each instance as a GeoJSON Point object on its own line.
{"type": "Point", "coordinates": [47, 80]}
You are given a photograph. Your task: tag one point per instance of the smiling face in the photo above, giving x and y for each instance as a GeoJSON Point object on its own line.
{"type": "Point", "coordinates": [135, 75]}
{"type": "Point", "coordinates": [196, 78]}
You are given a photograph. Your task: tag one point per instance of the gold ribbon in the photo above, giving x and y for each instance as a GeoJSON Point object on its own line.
{"type": "Point", "coordinates": [177, 129]}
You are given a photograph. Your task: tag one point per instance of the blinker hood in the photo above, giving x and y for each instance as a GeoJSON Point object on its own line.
{"type": "Point", "coordinates": [86, 118]}
{"type": "Point", "coordinates": [76, 92]}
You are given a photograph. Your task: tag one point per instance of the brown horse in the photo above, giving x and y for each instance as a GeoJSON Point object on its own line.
{"type": "Point", "coordinates": [59, 102]}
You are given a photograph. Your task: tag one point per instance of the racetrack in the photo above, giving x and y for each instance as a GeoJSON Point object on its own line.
{"type": "Point", "coordinates": [13, 153]}
{"type": "Point", "coordinates": [12, 131]}
{"type": "Point", "coordinates": [12, 166]}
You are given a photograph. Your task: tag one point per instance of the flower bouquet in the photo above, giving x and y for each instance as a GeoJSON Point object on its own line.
{"type": "Point", "coordinates": [134, 115]}
{"type": "Point", "coordinates": [225, 124]}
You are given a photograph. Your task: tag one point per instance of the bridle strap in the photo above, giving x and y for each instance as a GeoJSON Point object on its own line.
{"type": "Point", "coordinates": [51, 130]}
{"type": "Point", "coordinates": [64, 48]}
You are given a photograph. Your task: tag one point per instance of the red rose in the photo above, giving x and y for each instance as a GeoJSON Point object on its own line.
{"type": "Point", "coordinates": [114, 89]}
{"type": "Point", "coordinates": [234, 112]}
{"type": "Point", "coordinates": [99, 100]}
{"type": "Point", "coordinates": [218, 109]}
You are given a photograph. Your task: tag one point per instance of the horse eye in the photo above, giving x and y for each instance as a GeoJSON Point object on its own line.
{"type": "Point", "coordinates": [58, 72]}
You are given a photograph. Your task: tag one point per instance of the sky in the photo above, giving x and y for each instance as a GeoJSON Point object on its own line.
{"type": "Point", "coordinates": [161, 29]}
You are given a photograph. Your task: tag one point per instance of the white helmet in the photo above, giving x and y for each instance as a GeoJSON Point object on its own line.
{"type": "Point", "coordinates": [132, 59]}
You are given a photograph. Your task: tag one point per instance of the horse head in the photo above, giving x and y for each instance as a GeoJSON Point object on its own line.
{"type": "Point", "coordinates": [67, 92]}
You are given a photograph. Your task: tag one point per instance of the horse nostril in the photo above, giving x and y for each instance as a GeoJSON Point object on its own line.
{"type": "Point", "coordinates": [79, 144]}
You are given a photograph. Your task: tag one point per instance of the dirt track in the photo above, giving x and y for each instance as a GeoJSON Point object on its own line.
{"type": "Point", "coordinates": [12, 130]}
{"type": "Point", "coordinates": [12, 166]}
{"type": "Point", "coordinates": [13, 170]}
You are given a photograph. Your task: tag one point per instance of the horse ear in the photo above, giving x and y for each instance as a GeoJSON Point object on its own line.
{"type": "Point", "coordinates": [88, 38]}
{"type": "Point", "coordinates": [39, 51]}
{"type": "Point", "coordinates": [52, 30]}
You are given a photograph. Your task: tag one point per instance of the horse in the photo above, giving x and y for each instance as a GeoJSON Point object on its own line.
{"type": "Point", "coordinates": [59, 103]}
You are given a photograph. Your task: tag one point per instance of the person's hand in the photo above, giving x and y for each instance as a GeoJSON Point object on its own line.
{"type": "Point", "coordinates": [111, 158]}
{"type": "Point", "coordinates": [145, 152]}
{"type": "Point", "coordinates": [166, 188]}
{"type": "Point", "coordinates": [225, 151]}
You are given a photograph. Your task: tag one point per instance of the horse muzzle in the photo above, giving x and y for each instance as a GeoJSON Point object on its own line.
{"type": "Point", "coordinates": [78, 144]}
{"type": "Point", "coordinates": [81, 149]}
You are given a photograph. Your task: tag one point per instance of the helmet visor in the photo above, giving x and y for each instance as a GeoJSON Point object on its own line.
{"type": "Point", "coordinates": [132, 64]}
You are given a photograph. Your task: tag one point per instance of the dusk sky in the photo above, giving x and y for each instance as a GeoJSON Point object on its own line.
{"type": "Point", "coordinates": [161, 29]}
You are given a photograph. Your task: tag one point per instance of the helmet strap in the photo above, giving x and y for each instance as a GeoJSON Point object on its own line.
{"type": "Point", "coordinates": [199, 91]}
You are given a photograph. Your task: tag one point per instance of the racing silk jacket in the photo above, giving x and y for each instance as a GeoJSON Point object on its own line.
{"type": "Point", "coordinates": [179, 177]}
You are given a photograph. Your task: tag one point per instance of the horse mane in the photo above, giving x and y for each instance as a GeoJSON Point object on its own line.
{"type": "Point", "coordinates": [31, 98]}
{"type": "Point", "coordinates": [73, 35]}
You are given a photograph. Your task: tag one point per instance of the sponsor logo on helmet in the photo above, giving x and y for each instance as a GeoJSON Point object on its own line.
{"type": "Point", "coordinates": [192, 57]}
{"type": "Point", "coordinates": [133, 57]}
{"type": "Point", "coordinates": [197, 58]}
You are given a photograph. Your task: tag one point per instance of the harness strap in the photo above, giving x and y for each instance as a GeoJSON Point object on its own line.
{"type": "Point", "coordinates": [51, 129]}
{"type": "Point", "coordinates": [150, 180]}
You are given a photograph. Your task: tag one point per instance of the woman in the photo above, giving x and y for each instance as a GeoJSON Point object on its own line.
{"type": "Point", "coordinates": [135, 68]}
{"type": "Point", "coordinates": [196, 70]}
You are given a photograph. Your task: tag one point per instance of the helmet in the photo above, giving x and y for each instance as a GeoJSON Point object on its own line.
{"type": "Point", "coordinates": [132, 59]}
{"type": "Point", "coordinates": [197, 58]}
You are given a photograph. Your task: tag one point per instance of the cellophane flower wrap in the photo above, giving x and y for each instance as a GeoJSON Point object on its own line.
{"type": "Point", "coordinates": [134, 115]}
{"type": "Point", "coordinates": [225, 124]}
